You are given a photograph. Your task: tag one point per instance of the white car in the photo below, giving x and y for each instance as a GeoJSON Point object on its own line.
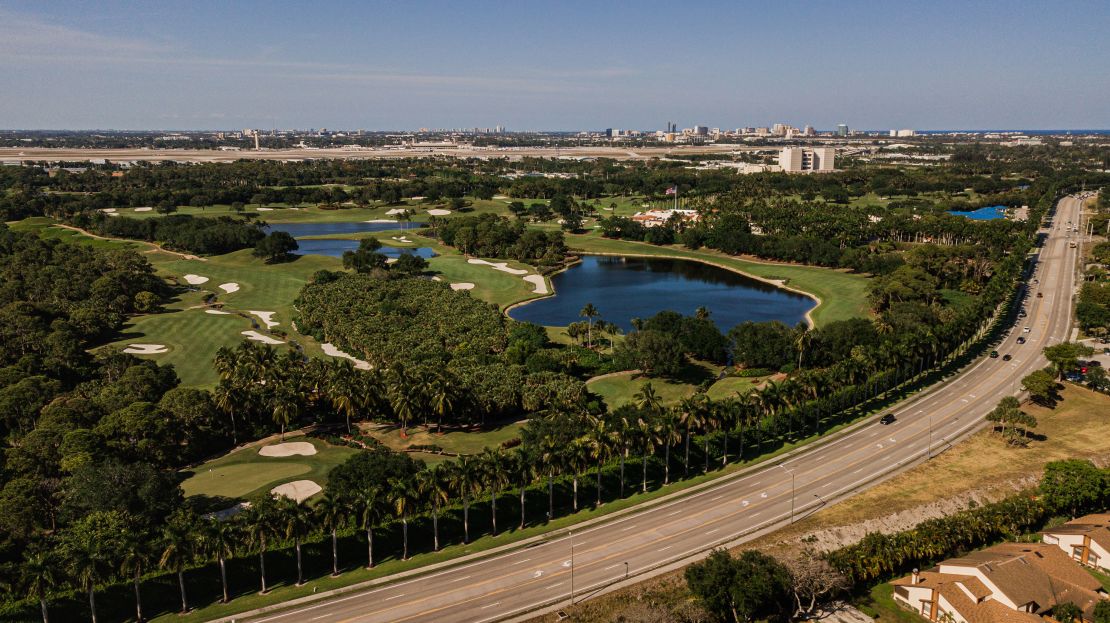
{"type": "Point", "coordinates": [1026, 330]}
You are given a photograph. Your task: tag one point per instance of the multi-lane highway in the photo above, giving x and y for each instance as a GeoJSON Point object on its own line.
{"type": "Point", "coordinates": [520, 581]}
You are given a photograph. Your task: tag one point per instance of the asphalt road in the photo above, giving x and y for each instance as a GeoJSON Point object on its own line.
{"type": "Point", "coordinates": [521, 581]}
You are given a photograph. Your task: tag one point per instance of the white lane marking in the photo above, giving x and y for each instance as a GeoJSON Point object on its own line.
{"type": "Point", "coordinates": [674, 513]}
{"type": "Point", "coordinates": [465, 577]}
{"type": "Point", "coordinates": [537, 574]}
{"type": "Point", "coordinates": [632, 527]}
{"type": "Point", "coordinates": [744, 503]}
{"type": "Point", "coordinates": [553, 586]}
{"type": "Point", "coordinates": [717, 498]}
{"type": "Point", "coordinates": [521, 562]}
{"type": "Point", "coordinates": [763, 495]}
{"type": "Point", "coordinates": [665, 548]}
{"type": "Point", "coordinates": [614, 566]}
{"type": "Point", "coordinates": [713, 530]}
{"type": "Point", "coordinates": [857, 471]}
{"type": "Point", "coordinates": [566, 563]}
{"type": "Point", "coordinates": [756, 514]}
{"type": "Point", "coordinates": [494, 604]}
{"type": "Point", "coordinates": [393, 597]}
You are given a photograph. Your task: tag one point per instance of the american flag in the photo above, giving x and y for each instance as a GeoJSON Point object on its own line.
{"type": "Point", "coordinates": [673, 190]}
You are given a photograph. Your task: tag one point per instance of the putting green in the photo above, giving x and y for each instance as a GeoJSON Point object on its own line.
{"type": "Point", "coordinates": [238, 480]}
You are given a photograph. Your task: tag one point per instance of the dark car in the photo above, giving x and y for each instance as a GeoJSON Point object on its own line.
{"type": "Point", "coordinates": [1094, 363]}
{"type": "Point", "coordinates": [888, 419]}
{"type": "Point", "coordinates": [994, 354]}
{"type": "Point", "coordinates": [1021, 340]}
{"type": "Point", "coordinates": [1007, 357]}
{"type": "Point", "coordinates": [1040, 295]}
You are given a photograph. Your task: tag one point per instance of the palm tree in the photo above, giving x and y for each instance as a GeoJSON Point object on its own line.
{"type": "Point", "coordinates": [551, 455]}
{"type": "Point", "coordinates": [259, 526]}
{"type": "Point", "coordinates": [688, 418]}
{"type": "Point", "coordinates": [86, 562]}
{"type": "Point", "coordinates": [220, 538]}
{"type": "Point", "coordinates": [432, 486]}
{"type": "Point", "coordinates": [646, 436]}
{"type": "Point", "coordinates": [292, 519]}
{"type": "Point", "coordinates": [443, 397]}
{"type": "Point", "coordinates": [404, 495]}
{"type": "Point", "coordinates": [370, 511]}
{"type": "Point", "coordinates": [134, 558]}
{"type": "Point", "coordinates": [495, 468]}
{"type": "Point", "coordinates": [402, 398]}
{"type": "Point", "coordinates": [589, 312]}
{"type": "Point", "coordinates": [601, 448]}
{"type": "Point", "coordinates": [228, 399]}
{"type": "Point", "coordinates": [522, 468]}
{"type": "Point", "coordinates": [343, 389]}
{"type": "Point", "coordinates": [331, 513]}
{"type": "Point", "coordinates": [178, 550]}
{"type": "Point", "coordinates": [578, 453]}
{"type": "Point", "coordinates": [464, 479]}
{"type": "Point", "coordinates": [648, 400]}
{"type": "Point", "coordinates": [669, 435]}
{"type": "Point", "coordinates": [39, 575]}
{"type": "Point", "coordinates": [285, 408]}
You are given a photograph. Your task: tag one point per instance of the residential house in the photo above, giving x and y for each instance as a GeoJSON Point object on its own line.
{"type": "Point", "coordinates": [1086, 540]}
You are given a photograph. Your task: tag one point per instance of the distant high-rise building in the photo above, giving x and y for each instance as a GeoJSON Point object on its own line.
{"type": "Point", "coordinates": [798, 159]}
{"type": "Point", "coordinates": [906, 132]}
{"type": "Point", "coordinates": [701, 130]}
{"type": "Point", "coordinates": [842, 129]}
{"type": "Point", "coordinates": [809, 131]}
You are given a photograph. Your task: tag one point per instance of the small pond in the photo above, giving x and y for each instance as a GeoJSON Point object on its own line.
{"type": "Point", "coordinates": [323, 229]}
{"type": "Point", "coordinates": [335, 248]}
{"type": "Point", "coordinates": [623, 288]}
{"type": "Point", "coordinates": [988, 213]}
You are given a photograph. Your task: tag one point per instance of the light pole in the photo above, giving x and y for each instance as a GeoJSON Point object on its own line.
{"type": "Point", "coordinates": [626, 570]}
{"type": "Point", "coordinates": [791, 472]}
{"type": "Point", "coordinates": [571, 536]}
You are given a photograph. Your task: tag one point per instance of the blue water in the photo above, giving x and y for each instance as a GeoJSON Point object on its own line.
{"type": "Point", "coordinates": [627, 288]}
{"type": "Point", "coordinates": [322, 229]}
{"type": "Point", "coordinates": [335, 248]}
{"type": "Point", "coordinates": [988, 213]}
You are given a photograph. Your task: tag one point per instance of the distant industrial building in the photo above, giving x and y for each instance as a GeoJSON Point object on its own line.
{"type": "Point", "coordinates": [901, 133]}
{"type": "Point", "coordinates": [801, 160]}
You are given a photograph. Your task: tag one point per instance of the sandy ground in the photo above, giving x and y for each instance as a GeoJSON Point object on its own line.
{"type": "Point", "coordinates": [145, 349]}
{"type": "Point", "coordinates": [439, 212]}
{"type": "Point", "coordinates": [331, 350]}
{"type": "Point", "coordinates": [217, 312]}
{"type": "Point", "coordinates": [108, 210]}
{"type": "Point", "coordinates": [195, 280]}
{"type": "Point", "coordinates": [265, 209]}
{"type": "Point", "coordinates": [258, 337]}
{"type": "Point", "coordinates": [404, 239]}
{"type": "Point", "coordinates": [229, 287]}
{"type": "Point", "coordinates": [538, 283]}
{"type": "Point", "coordinates": [381, 220]}
{"type": "Point", "coordinates": [267, 318]}
{"type": "Point", "coordinates": [298, 490]}
{"type": "Point", "coordinates": [289, 448]}
{"type": "Point", "coordinates": [437, 278]}
{"type": "Point", "coordinates": [143, 209]}
{"type": "Point", "coordinates": [391, 260]}
{"type": "Point", "coordinates": [501, 266]}
{"type": "Point", "coordinates": [396, 211]}
{"type": "Point", "coordinates": [465, 285]}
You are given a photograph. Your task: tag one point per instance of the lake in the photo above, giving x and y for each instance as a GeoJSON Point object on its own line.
{"type": "Point", "coordinates": [988, 213]}
{"type": "Point", "coordinates": [335, 247]}
{"type": "Point", "coordinates": [625, 288]}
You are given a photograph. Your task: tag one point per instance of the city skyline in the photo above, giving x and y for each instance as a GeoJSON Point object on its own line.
{"type": "Point", "coordinates": [206, 66]}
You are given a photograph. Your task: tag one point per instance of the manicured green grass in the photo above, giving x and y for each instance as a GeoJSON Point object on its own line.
{"type": "Point", "coordinates": [45, 227]}
{"type": "Point", "coordinates": [192, 336]}
{"type": "Point", "coordinates": [843, 295]}
{"type": "Point", "coordinates": [454, 441]}
{"type": "Point", "coordinates": [729, 386]}
{"type": "Point", "coordinates": [879, 604]}
{"type": "Point", "coordinates": [244, 472]}
{"type": "Point", "coordinates": [621, 388]}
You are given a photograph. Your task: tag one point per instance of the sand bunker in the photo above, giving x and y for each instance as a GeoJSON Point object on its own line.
{"type": "Point", "coordinates": [540, 285]}
{"type": "Point", "coordinates": [145, 349]}
{"type": "Point", "coordinates": [229, 287]}
{"type": "Point", "coordinates": [266, 317]}
{"type": "Point", "coordinates": [265, 209]}
{"type": "Point", "coordinates": [107, 210]}
{"type": "Point", "coordinates": [396, 211]}
{"type": "Point", "coordinates": [437, 278]}
{"type": "Point", "coordinates": [331, 350]}
{"type": "Point", "coordinates": [298, 490]}
{"type": "Point", "coordinates": [217, 312]}
{"type": "Point", "coordinates": [113, 214]}
{"type": "Point", "coordinates": [380, 220]}
{"type": "Point", "coordinates": [195, 280]}
{"type": "Point", "coordinates": [439, 212]}
{"type": "Point", "coordinates": [501, 266]}
{"type": "Point", "coordinates": [258, 337]}
{"type": "Point", "coordinates": [143, 209]}
{"type": "Point", "coordinates": [404, 239]}
{"type": "Point", "coordinates": [391, 260]}
{"type": "Point", "coordinates": [466, 285]}
{"type": "Point", "coordinates": [289, 448]}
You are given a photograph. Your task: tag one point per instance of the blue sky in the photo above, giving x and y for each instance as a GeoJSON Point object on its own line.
{"type": "Point", "coordinates": [554, 65]}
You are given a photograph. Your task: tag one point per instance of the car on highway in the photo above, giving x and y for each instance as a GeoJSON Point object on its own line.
{"type": "Point", "coordinates": [888, 419]}
{"type": "Point", "coordinates": [1021, 340]}
{"type": "Point", "coordinates": [1040, 295]}
{"type": "Point", "coordinates": [1007, 357]}
{"type": "Point", "coordinates": [1026, 330]}
{"type": "Point", "coordinates": [994, 354]}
